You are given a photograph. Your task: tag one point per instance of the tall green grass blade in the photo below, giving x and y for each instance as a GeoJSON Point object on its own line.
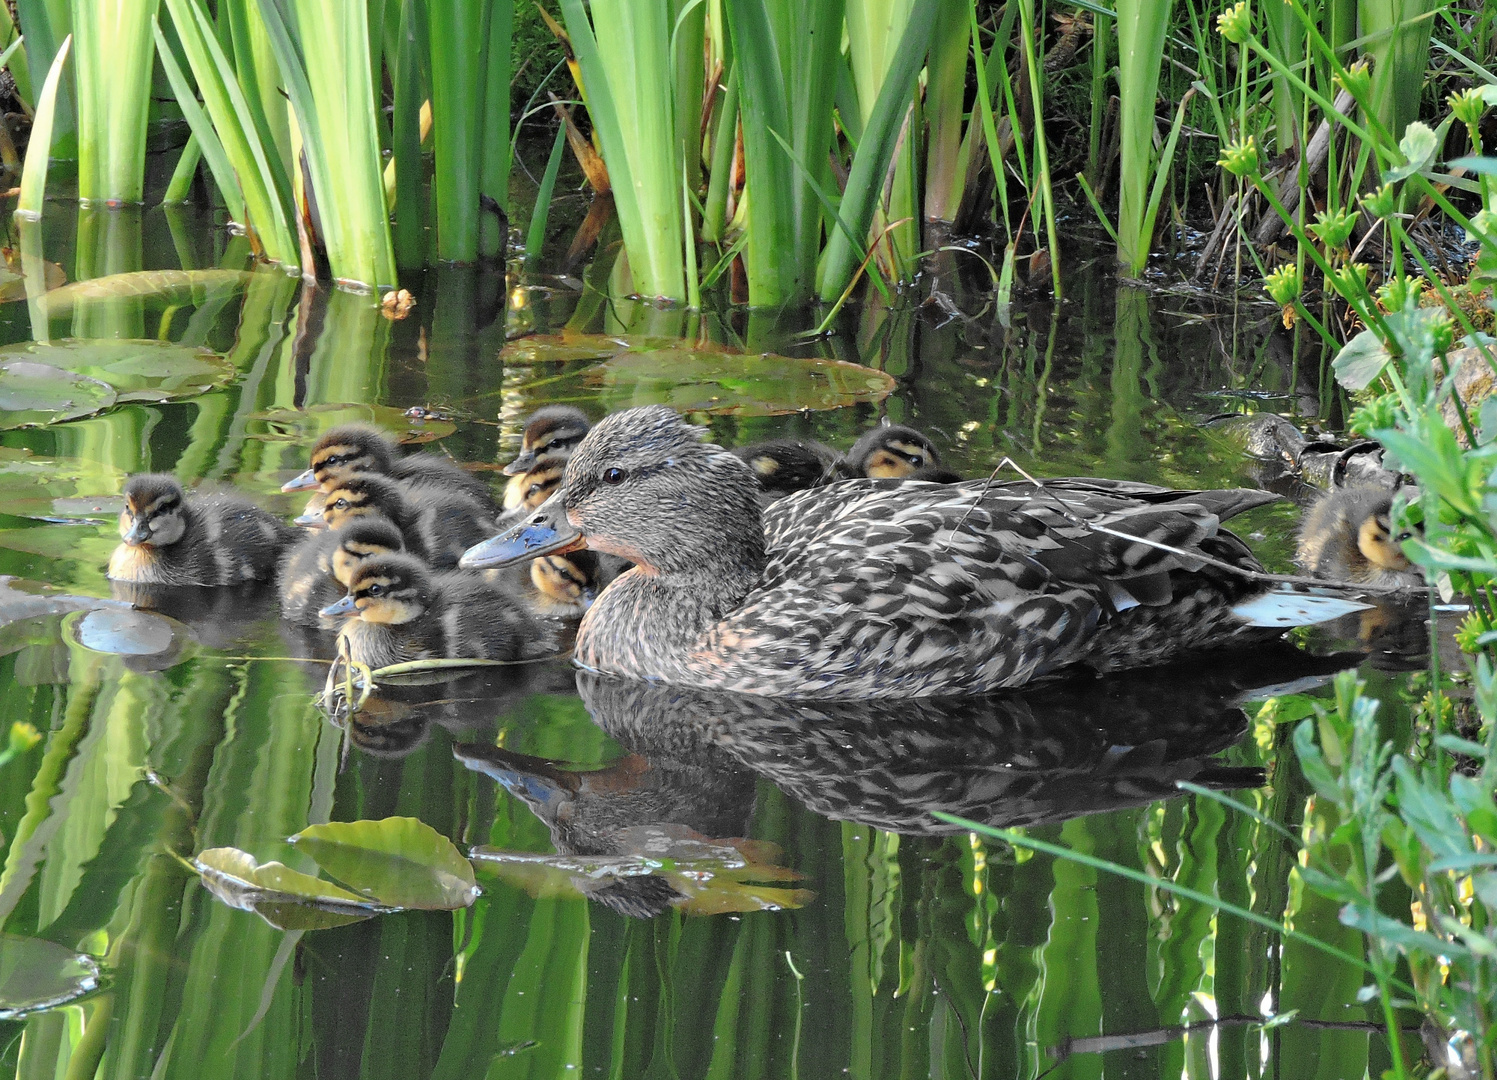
{"type": "Point", "coordinates": [259, 76]}
{"type": "Point", "coordinates": [871, 162]}
{"type": "Point", "coordinates": [12, 51]}
{"type": "Point", "coordinates": [46, 23]}
{"type": "Point", "coordinates": [15, 62]}
{"type": "Point", "coordinates": [1041, 147]}
{"type": "Point", "coordinates": [535, 237]}
{"type": "Point", "coordinates": [112, 76]}
{"type": "Point", "coordinates": [1162, 174]}
{"type": "Point", "coordinates": [1142, 25]}
{"type": "Point", "coordinates": [204, 135]}
{"type": "Point", "coordinates": [409, 231]}
{"type": "Point", "coordinates": [1399, 31]}
{"type": "Point", "coordinates": [458, 39]}
{"type": "Point", "coordinates": [724, 140]}
{"type": "Point", "coordinates": [946, 86]}
{"type": "Point", "coordinates": [185, 172]}
{"type": "Point", "coordinates": [38, 151]}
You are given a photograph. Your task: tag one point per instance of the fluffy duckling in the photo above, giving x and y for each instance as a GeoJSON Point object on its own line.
{"type": "Point", "coordinates": [783, 466]}
{"type": "Point", "coordinates": [397, 610]}
{"type": "Point", "coordinates": [1348, 536]}
{"type": "Point", "coordinates": [438, 524]}
{"type": "Point", "coordinates": [317, 571]}
{"type": "Point", "coordinates": [551, 432]}
{"type": "Point", "coordinates": [527, 490]}
{"type": "Point", "coordinates": [891, 452]}
{"type": "Point", "coordinates": [359, 448]}
{"type": "Point", "coordinates": [214, 538]}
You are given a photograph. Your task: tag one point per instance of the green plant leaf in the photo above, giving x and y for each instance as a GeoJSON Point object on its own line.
{"type": "Point", "coordinates": [33, 394]}
{"type": "Point", "coordinates": [136, 370]}
{"type": "Point", "coordinates": [165, 286]}
{"type": "Point", "coordinates": [36, 974]}
{"type": "Point", "coordinates": [39, 149]}
{"type": "Point", "coordinates": [126, 632]}
{"type": "Point", "coordinates": [1418, 147]}
{"type": "Point", "coordinates": [1486, 166]}
{"type": "Point", "coordinates": [398, 861]}
{"type": "Point", "coordinates": [284, 897]}
{"type": "Point", "coordinates": [1360, 361]}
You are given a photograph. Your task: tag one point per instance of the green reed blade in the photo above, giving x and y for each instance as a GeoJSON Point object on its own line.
{"type": "Point", "coordinates": [536, 236]}
{"type": "Point", "coordinates": [38, 151]}
{"type": "Point", "coordinates": [724, 140]}
{"type": "Point", "coordinates": [185, 172]}
{"type": "Point", "coordinates": [458, 40]}
{"type": "Point", "coordinates": [203, 136]}
{"type": "Point", "coordinates": [112, 78]}
{"type": "Point", "coordinates": [1142, 25]}
{"type": "Point", "coordinates": [46, 22]}
{"type": "Point", "coordinates": [409, 231]}
{"type": "Point", "coordinates": [946, 86]}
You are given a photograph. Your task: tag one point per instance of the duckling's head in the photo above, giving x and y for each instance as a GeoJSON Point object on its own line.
{"type": "Point", "coordinates": [892, 452]}
{"type": "Point", "coordinates": [644, 486]}
{"type": "Point", "coordinates": [153, 515]}
{"type": "Point", "coordinates": [1372, 511]}
{"type": "Point", "coordinates": [529, 489]}
{"type": "Point", "coordinates": [388, 589]}
{"type": "Point", "coordinates": [553, 431]}
{"type": "Point", "coordinates": [361, 539]}
{"type": "Point", "coordinates": [566, 579]}
{"type": "Point", "coordinates": [343, 451]}
{"type": "Point", "coordinates": [363, 495]}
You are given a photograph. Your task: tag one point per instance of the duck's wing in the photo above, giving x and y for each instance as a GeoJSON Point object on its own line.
{"type": "Point", "coordinates": [872, 586]}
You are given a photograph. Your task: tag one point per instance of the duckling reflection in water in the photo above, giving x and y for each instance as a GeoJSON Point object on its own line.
{"type": "Point", "coordinates": [213, 538]}
{"type": "Point", "coordinates": [360, 448]}
{"type": "Point", "coordinates": [397, 610]}
{"type": "Point", "coordinates": [1348, 535]}
{"type": "Point", "coordinates": [891, 452]}
{"type": "Point", "coordinates": [437, 523]}
{"type": "Point", "coordinates": [318, 570]}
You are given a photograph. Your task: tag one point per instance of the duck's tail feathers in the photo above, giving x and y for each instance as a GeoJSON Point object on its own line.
{"type": "Point", "coordinates": [1286, 609]}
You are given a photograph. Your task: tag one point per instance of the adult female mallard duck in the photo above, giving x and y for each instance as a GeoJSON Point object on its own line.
{"type": "Point", "coordinates": [1348, 535]}
{"type": "Point", "coordinates": [215, 538]}
{"type": "Point", "coordinates": [875, 588]}
{"type": "Point", "coordinates": [359, 448]}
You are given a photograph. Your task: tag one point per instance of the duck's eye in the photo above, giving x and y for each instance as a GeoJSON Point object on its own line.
{"type": "Point", "coordinates": [341, 504]}
{"type": "Point", "coordinates": [375, 590]}
{"type": "Point", "coordinates": [614, 476]}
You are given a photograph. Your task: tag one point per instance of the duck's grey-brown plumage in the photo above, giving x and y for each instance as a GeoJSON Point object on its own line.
{"type": "Point", "coordinates": [876, 588]}
{"type": "Point", "coordinates": [207, 538]}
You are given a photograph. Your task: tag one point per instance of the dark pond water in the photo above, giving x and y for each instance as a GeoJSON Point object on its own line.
{"type": "Point", "coordinates": [844, 930]}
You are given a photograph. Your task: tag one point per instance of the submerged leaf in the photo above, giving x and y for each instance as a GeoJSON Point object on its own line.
{"type": "Point", "coordinates": [13, 277]}
{"type": "Point", "coordinates": [36, 974]}
{"type": "Point", "coordinates": [168, 286]}
{"type": "Point", "coordinates": [137, 370]}
{"type": "Point", "coordinates": [399, 861]}
{"type": "Point", "coordinates": [58, 489]}
{"type": "Point", "coordinates": [33, 394]}
{"type": "Point", "coordinates": [283, 897]}
{"type": "Point", "coordinates": [718, 380]}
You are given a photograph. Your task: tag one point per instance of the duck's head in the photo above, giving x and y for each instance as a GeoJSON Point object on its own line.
{"type": "Point", "coordinates": [386, 589]}
{"type": "Point", "coordinates": [531, 488]}
{"type": "Point", "coordinates": [153, 515]}
{"type": "Point", "coordinates": [1371, 510]}
{"type": "Point", "coordinates": [565, 579]}
{"type": "Point", "coordinates": [892, 452]}
{"type": "Point", "coordinates": [343, 451]}
{"type": "Point", "coordinates": [362, 539]}
{"type": "Point", "coordinates": [363, 495]}
{"type": "Point", "coordinates": [553, 431]}
{"type": "Point", "coordinates": [644, 486]}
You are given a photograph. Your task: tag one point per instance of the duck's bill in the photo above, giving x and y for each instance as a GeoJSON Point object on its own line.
{"type": "Point", "coordinates": [136, 534]}
{"type": "Point", "coordinates": [544, 533]}
{"type": "Point", "coordinates": [302, 482]}
{"type": "Point", "coordinates": [310, 518]}
{"type": "Point", "coordinates": [340, 609]}
{"type": "Point", "coordinates": [522, 464]}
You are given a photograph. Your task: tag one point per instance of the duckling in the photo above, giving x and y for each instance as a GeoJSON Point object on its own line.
{"type": "Point", "coordinates": [561, 586]}
{"type": "Point", "coordinates": [1348, 536]}
{"type": "Point", "coordinates": [551, 432]}
{"type": "Point", "coordinates": [891, 451]}
{"type": "Point", "coordinates": [398, 610]}
{"type": "Point", "coordinates": [527, 490]}
{"type": "Point", "coordinates": [214, 538]}
{"type": "Point", "coordinates": [359, 448]}
{"type": "Point", "coordinates": [872, 588]}
{"type": "Point", "coordinates": [317, 571]}
{"type": "Point", "coordinates": [311, 515]}
{"type": "Point", "coordinates": [437, 523]}
{"type": "Point", "coordinates": [783, 466]}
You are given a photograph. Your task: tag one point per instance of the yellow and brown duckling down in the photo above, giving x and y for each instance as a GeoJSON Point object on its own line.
{"type": "Point", "coordinates": [1348, 535]}
{"type": "Point", "coordinates": [398, 610]}
{"type": "Point", "coordinates": [551, 432]}
{"type": "Point", "coordinates": [438, 524]}
{"type": "Point", "coordinates": [876, 588]}
{"type": "Point", "coordinates": [783, 466]}
{"type": "Point", "coordinates": [317, 571]}
{"type": "Point", "coordinates": [891, 452]}
{"type": "Point", "coordinates": [213, 538]}
{"type": "Point", "coordinates": [358, 448]}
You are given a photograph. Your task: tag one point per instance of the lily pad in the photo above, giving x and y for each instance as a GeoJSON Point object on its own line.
{"type": "Point", "coordinates": [125, 632]}
{"type": "Point", "coordinates": [21, 599]}
{"type": "Point", "coordinates": [305, 425]}
{"type": "Point", "coordinates": [13, 276]}
{"type": "Point", "coordinates": [722, 381]}
{"type": "Point", "coordinates": [37, 975]}
{"type": "Point", "coordinates": [137, 370]}
{"type": "Point", "coordinates": [167, 286]}
{"type": "Point", "coordinates": [33, 394]}
{"type": "Point", "coordinates": [58, 489]}
{"type": "Point", "coordinates": [284, 897]}
{"type": "Point", "coordinates": [398, 861]}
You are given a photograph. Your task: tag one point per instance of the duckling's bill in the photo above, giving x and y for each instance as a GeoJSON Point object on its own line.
{"type": "Point", "coordinates": [524, 463]}
{"type": "Point", "coordinates": [546, 532]}
{"type": "Point", "coordinates": [340, 608]}
{"type": "Point", "coordinates": [303, 481]}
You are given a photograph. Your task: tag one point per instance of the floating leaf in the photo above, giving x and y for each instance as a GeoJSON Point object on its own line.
{"type": "Point", "coordinates": [304, 425]}
{"type": "Point", "coordinates": [1360, 361]}
{"type": "Point", "coordinates": [399, 861]}
{"type": "Point", "coordinates": [36, 974]}
{"type": "Point", "coordinates": [284, 897]}
{"type": "Point", "coordinates": [124, 631]}
{"type": "Point", "coordinates": [1418, 147]}
{"type": "Point", "coordinates": [644, 371]}
{"type": "Point", "coordinates": [28, 599]}
{"type": "Point", "coordinates": [81, 542]}
{"type": "Point", "coordinates": [137, 370]}
{"type": "Point", "coordinates": [168, 286]}
{"type": "Point", "coordinates": [13, 278]}
{"type": "Point", "coordinates": [33, 394]}
{"type": "Point", "coordinates": [58, 489]}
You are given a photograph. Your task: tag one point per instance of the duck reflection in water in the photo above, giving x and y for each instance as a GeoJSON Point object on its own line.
{"type": "Point", "coordinates": [1044, 755]}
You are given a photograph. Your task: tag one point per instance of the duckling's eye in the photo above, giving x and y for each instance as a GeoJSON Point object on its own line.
{"type": "Point", "coordinates": [341, 504]}
{"type": "Point", "coordinates": [375, 590]}
{"type": "Point", "coordinates": [614, 476]}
